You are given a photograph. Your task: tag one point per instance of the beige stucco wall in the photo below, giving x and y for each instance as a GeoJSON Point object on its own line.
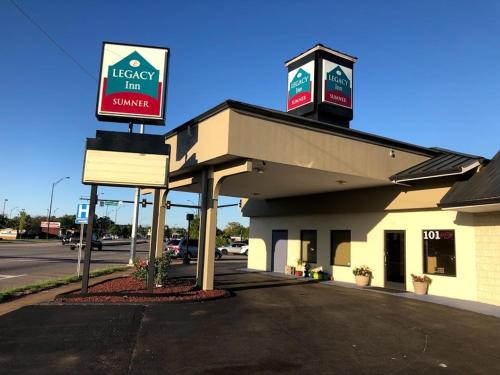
{"type": "Point", "coordinates": [488, 257]}
{"type": "Point", "coordinates": [367, 246]}
{"type": "Point", "coordinates": [187, 148]}
{"type": "Point", "coordinates": [262, 139]}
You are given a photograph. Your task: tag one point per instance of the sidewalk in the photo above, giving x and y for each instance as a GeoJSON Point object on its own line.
{"type": "Point", "coordinates": [50, 294]}
{"type": "Point", "coordinates": [478, 307]}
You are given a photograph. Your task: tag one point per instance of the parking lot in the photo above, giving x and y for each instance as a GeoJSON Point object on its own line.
{"type": "Point", "coordinates": [270, 325]}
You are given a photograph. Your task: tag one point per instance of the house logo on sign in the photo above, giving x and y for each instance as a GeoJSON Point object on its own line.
{"type": "Point", "coordinates": [82, 213]}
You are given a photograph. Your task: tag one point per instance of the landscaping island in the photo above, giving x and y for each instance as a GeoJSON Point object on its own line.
{"type": "Point", "coordinates": [130, 290]}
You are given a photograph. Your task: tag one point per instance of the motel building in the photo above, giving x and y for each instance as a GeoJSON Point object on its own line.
{"type": "Point", "coordinates": [317, 191]}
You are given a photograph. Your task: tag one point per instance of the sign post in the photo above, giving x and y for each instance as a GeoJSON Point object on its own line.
{"type": "Point", "coordinates": [88, 240]}
{"type": "Point", "coordinates": [82, 219]}
{"type": "Point", "coordinates": [82, 228]}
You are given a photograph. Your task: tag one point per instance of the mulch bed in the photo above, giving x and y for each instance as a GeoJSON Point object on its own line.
{"type": "Point", "coordinates": [129, 290]}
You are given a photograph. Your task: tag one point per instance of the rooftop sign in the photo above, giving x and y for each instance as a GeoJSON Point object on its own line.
{"type": "Point", "coordinates": [132, 84]}
{"type": "Point", "coordinates": [300, 86]}
{"type": "Point", "coordinates": [337, 84]}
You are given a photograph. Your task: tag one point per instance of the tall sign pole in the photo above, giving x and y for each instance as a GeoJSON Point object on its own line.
{"type": "Point", "coordinates": [135, 220]}
{"type": "Point", "coordinates": [81, 218]}
{"type": "Point", "coordinates": [88, 240]}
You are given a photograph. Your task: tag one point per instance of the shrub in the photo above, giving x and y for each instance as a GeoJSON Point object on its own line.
{"type": "Point", "coordinates": [141, 269]}
{"type": "Point", "coordinates": [162, 264]}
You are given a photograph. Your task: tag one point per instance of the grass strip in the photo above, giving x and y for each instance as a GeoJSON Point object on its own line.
{"type": "Point", "coordinates": [12, 293]}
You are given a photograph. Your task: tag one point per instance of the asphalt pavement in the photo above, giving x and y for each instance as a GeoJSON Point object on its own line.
{"type": "Point", "coordinates": [28, 262]}
{"type": "Point", "coordinates": [270, 325]}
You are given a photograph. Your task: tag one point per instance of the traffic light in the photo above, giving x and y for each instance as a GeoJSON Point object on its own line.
{"type": "Point", "coordinates": [144, 203]}
{"type": "Point", "coordinates": [168, 205]}
{"type": "Point", "coordinates": [239, 204]}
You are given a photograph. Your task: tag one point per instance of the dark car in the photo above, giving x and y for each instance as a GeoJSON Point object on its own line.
{"type": "Point", "coordinates": [75, 240]}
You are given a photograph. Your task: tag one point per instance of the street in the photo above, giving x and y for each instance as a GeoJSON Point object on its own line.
{"type": "Point", "coordinates": [28, 262]}
{"type": "Point", "coordinates": [25, 263]}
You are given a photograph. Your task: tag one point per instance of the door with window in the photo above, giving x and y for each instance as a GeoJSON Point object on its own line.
{"type": "Point", "coordinates": [308, 240]}
{"type": "Point", "coordinates": [395, 259]}
{"type": "Point", "coordinates": [279, 250]}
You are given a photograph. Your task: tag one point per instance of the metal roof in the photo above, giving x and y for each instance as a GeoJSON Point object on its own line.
{"type": "Point", "coordinates": [446, 163]}
{"type": "Point", "coordinates": [482, 188]}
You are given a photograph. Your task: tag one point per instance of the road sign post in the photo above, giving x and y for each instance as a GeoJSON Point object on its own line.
{"type": "Point", "coordinates": [82, 228]}
{"type": "Point", "coordinates": [81, 218]}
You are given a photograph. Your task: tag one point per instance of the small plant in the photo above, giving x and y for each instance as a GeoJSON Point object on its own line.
{"type": "Point", "coordinates": [140, 269]}
{"type": "Point", "coordinates": [421, 279]}
{"type": "Point", "coordinates": [307, 268]}
{"type": "Point", "coordinates": [362, 271]}
{"type": "Point", "coordinates": [162, 265]}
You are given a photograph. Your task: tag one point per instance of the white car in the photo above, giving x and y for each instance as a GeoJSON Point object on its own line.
{"type": "Point", "coordinates": [235, 248]}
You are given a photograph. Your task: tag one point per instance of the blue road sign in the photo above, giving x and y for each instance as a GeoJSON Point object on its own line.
{"type": "Point", "coordinates": [82, 212]}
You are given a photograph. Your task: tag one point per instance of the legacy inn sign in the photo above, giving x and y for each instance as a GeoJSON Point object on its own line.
{"type": "Point", "coordinates": [132, 84]}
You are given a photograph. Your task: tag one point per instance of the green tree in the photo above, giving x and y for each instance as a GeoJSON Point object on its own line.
{"type": "Point", "coordinates": [102, 225]}
{"type": "Point", "coordinates": [235, 229]}
{"type": "Point", "coordinates": [67, 222]}
{"type": "Point", "coordinates": [23, 219]}
{"type": "Point", "coordinates": [194, 228]}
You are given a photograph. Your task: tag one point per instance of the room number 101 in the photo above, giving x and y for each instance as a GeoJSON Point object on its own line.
{"type": "Point", "coordinates": [431, 235]}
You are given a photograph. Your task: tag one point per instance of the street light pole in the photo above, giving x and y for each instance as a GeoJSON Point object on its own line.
{"type": "Point", "coordinates": [4, 202]}
{"type": "Point", "coordinates": [50, 206]}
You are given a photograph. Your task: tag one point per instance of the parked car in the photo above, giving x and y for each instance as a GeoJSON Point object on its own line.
{"type": "Point", "coordinates": [75, 240]}
{"type": "Point", "coordinates": [234, 248]}
{"type": "Point", "coordinates": [177, 247]}
{"type": "Point", "coordinates": [107, 237]}
{"type": "Point", "coordinates": [244, 250]}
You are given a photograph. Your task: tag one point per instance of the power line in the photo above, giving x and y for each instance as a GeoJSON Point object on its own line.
{"type": "Point", "coordinates": [52, 40]}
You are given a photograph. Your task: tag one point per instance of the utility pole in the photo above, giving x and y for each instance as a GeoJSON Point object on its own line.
{"type": "Point", "coordinates": [4, 202]}
{"type": "Point", "coordinates": [135, 215]}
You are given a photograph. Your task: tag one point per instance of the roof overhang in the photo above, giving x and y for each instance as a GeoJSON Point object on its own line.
{"type": "Point", "coordinates": [291, 155]}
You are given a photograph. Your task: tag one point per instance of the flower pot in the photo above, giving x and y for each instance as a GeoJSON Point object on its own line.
{"type": "Point", "coordinates": [420, 287]}
{"type": "Point", "coordinates": [298, 273]}
{"type": "Point", "coordinates": [362, 280]}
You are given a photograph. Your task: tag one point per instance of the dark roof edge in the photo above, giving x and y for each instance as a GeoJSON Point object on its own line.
{"type": "Point", "coordinates": [474, 202]}
{"type": "Point", "coordinates": [447, 172]}
{"type": "Point", "coordinates": [447, 151]}
{"type": "Point", "coordinates": [307, 123]}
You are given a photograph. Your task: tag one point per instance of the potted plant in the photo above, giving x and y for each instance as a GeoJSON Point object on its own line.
{"type": "Point", "coordinates": [298, 269]}
{"type": "Point", "coordinates": [362, 275]}
{"type": "Point", "coordinates": [307, 268]}
{"type": "Point", "coordinates": [421, 283]}
{"type": "Point", "coordinates": [318, 275]}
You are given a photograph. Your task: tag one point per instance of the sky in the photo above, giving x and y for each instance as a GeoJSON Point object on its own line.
{"type": "Point", "coordinates": [428, 73]}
